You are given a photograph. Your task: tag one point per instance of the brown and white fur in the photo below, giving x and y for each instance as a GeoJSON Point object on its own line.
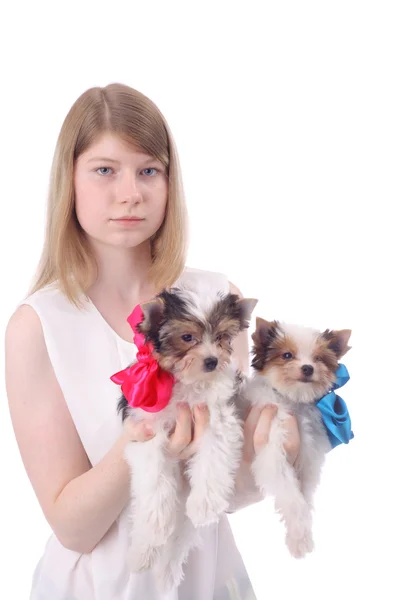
{"type": "Point", "coordinates": [293, 367]}
{"type": "Point", "coordinates": [192, 336]}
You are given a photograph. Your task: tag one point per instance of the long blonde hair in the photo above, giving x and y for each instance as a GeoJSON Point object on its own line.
{"type": "Point", "coordinates": [66, 258]}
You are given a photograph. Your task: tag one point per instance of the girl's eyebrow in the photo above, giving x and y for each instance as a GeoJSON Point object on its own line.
{"type": "Point", "coordinates": [102, 159]}
{"type": "Point", "coordinates": [113, 160]}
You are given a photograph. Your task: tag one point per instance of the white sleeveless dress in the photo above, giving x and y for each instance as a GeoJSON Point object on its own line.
{"type": "Point", "coordinates": [85, 351]}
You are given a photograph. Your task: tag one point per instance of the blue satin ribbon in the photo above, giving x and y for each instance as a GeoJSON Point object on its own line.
{"type": "Point", "coordinates": [335, 415]}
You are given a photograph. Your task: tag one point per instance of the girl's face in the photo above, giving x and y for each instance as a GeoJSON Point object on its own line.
{"type": "Point", "coordinates": [120, 193]}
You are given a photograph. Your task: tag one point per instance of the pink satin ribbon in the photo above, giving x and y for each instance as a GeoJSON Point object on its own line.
{"type": "Point", "coordinates": [144, 384]}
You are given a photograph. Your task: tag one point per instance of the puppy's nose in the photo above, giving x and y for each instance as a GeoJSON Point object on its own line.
{"type": "Point", "coordinates": [210, 363]}
{"type": "Point", "coordinates": [308, 370]}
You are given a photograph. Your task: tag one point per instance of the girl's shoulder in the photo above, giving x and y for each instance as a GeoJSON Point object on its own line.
{"type": "Point", "coordinates": [202, 280]}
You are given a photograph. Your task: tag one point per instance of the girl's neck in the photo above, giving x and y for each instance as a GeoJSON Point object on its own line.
{"type": "Point", "coordinates": [123, 274]}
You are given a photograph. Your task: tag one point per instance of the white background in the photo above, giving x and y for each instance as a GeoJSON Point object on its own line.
{"type": "Point", "coordinates": [286, 117]}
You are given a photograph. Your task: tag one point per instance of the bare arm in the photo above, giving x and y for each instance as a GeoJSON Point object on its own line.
{"type": "Point", "coordinates": [80, 502]}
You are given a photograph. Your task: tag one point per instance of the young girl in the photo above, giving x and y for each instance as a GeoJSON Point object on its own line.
{"type": "Point", "coordinates": [116, 236]}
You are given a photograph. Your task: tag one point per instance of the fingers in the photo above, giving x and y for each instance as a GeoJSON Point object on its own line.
{"type": "Point", "coordinates": [201, 417]}
{"type": "Point", "coordinates": [261, 433]}
{"type": "Point", "coordinates": [292, 442]}
{"type": "Point", "coordinates": [249, 428]}
{"type": "Point", "coordinates": [256, 430]}
{"type": "Point", "coordinates": [182, 435]}
{"type": "Point", "coordinates": [138, 432]}
{"type": "Point", "coordinates": [201, 420]}
{"type": "Point", "coordinates": [182, 442]}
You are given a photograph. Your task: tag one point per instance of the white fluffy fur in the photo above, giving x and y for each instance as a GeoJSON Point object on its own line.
{"type": "Point", "coordinates": [168, 505]}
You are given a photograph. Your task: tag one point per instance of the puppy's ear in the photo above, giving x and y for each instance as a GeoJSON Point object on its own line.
{"type": "Point", "coordinates": [265, 332]}
{"type": "Point", "coordinates": [246, 307]}
{"type": "Point", "coordinates": [263, 337]}
{"type": "Point", "coordinates": [153, 312]}
{"type": "Point", "coordinates": [338, 341]}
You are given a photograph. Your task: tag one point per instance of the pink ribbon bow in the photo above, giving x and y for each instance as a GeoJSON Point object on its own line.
{"type": "Point", "coordinates": [144, 384]}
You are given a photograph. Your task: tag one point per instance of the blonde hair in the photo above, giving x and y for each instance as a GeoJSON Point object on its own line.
{"type": "Point", "coordinates": [66, 259]}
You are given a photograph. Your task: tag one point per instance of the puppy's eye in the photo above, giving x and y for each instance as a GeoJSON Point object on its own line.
{"type": "Point", "coordinates": [222, 336]}
{"type": "Point", "coordinates": [287, 355]}
{"type": "Point", "coordinates": [318, 358]}
{"type": "Point", "coordinates": [187, 337]}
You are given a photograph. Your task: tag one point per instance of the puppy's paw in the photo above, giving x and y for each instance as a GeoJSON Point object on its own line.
{"type": "Point", "coordinates": [159, 525]}
{"type": "Point", "coordinates": [300, 546]}
{"type": "Point", "coordinates": [203, 512]}
{"type": "Point", "coordinates": [141, 558]}
{"type": "Point", "coordinates": [264, 476]}
{"type": "Point", "coordinates": [161, 532]}
{"type": "Point", "coordinates": [169, 575]}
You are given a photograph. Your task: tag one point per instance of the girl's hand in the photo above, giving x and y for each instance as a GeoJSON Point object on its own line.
{"type": "Point", "coordinates": [189, 428]}
{"type": "Point", "coordinates": [140, 431]}
{"type": "Point", "coordinates": [256, 433]}
{"type": "Point", "coordinates": [184, 438]}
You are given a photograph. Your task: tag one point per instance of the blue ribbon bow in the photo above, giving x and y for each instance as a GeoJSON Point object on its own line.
{"type": "Point", "coordinates": [335, 415]}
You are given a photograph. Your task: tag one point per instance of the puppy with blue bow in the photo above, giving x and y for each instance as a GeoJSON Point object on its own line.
{"type": "Point", "coordinates": [296, 369]}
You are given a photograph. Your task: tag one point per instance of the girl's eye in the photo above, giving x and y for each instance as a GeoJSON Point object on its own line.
{"type": "Point", "coordinates": [187, 337]}
{"type": "Point", "coordinates": [287, 355]}
{"type": "Point", "coordinates": [104, 169]}
{"type": "Point", "coordinates": [150, 172]}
